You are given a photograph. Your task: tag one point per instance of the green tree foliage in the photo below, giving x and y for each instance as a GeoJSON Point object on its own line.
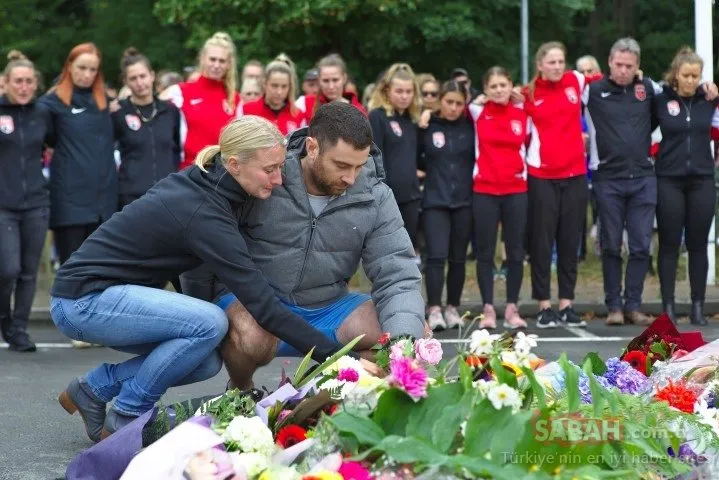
{"type": "Point", "coordinates": [433, 36]}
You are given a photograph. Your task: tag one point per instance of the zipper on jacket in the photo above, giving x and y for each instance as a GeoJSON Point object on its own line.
{"type": "Point", "coordinates": [23, 161]}
{"type": "Point", "coordinates": [313, 226]}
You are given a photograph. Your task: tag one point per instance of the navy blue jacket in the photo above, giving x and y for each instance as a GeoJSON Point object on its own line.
{"type": "Point", "coordinates": [83, 175]}
{"type": "Point", "coordinates": [186, 219]}
{"type": "Point", "coordinates": [24, 130]}
{"type": "Point", "coordinates": [149, 151]}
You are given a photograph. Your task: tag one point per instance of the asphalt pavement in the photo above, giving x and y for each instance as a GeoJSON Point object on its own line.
{"type": "Point", "coordinates": [39, 438]}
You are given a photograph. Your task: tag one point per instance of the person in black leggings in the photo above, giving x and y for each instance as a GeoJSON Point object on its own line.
{"type": "Point", "coordinates": [686, 195]}
{"type": "Point", "coordinates": [500, 193]}
{"type": "Point", "coordinates": [446, 154]}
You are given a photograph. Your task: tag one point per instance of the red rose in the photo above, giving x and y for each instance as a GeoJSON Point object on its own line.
{"type": "Point", "coordinates": [290, 435]}
{"type": "Point", "coordinates": [638, 361]}
{"type": "Point", "coordinates": [384, 339]}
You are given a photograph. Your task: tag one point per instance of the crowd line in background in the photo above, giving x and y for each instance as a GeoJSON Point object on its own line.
{"type": "Point", "coordinates": [464, 164]}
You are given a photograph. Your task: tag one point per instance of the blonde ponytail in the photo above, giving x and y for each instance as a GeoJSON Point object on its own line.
{"type": "Point", "coordinates": [241, 138]}
{"type": "Point", "coordinates": [206, 157]}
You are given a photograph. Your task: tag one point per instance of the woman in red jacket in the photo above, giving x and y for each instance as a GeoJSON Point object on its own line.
{"type": "Point", "coordinates": [500, 192]}
{"type": "Point", "coordinates": [333, 80]}
{"type": "Point", "coordinates": [210, 102]}
{"type": "Point", "coordinates": [557, 181]}
{"type": "Point", "coordinates": [277, 104]}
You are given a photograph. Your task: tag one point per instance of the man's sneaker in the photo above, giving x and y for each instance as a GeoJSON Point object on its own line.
{"type": "Point", "coordinates": [452, 317]}
{"type": "Point", "coordinates": [436, 320]}
{"type": "Point", "coordinates": [637, 318]}
{"type": "Point", "coordinates": [570, 318]}
{"type": "Point", "coordinates": [615, 317]}
{"type": "Point", "coordinates": [489, 318]}
{"type": "Point", "coordinates": [547, 318]}
{"type": "Point", "coordinates": [512, 319]}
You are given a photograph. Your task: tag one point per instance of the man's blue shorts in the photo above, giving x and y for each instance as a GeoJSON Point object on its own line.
{"type": "Point", "coordinates": [326, 319]}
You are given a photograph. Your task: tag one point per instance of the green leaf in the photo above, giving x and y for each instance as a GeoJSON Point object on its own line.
{"type": "Point", "coordinates": [428, 410]}
{"type": "Point", "coordinates": [501, 373]}
{"type": "Point", "coordinates": [366, 431]}
{"type": "Point", "coordinates": [482, 468]}
{"type": "Point", "coordinates": [659, 348]}
{"type": "Point", "coordinates": [598, 366]}
{"type": "Point", "coordinates": [498, 431]}
{"type": "Point", "coordinates": [596, 389]}
{"type": "Point", "coordinates": [392, 412]}
{"type": "Point", "coordinates": [317, 371]}
{"type": "Point", "coordinates": [302, 367]}
{"type": "Point", "coordinates": [409, 450]}
{"type": "Point", "coordinates": [447, 426]}
{"type": "Point", "coordinates": [465, 374]}
{"type": "Point", "coordinates": [536, 388]}
{"type": "Point", "coordinates": [571, 382]}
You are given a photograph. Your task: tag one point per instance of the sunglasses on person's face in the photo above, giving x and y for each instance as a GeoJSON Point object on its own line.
{"type": "Point", "coordinates": [430, 94]}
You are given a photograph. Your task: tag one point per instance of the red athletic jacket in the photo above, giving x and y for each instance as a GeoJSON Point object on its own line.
{"type": "Point", "coordinates": [205, 111]}
{"type": "Point", "coordinates": [310, 101]}
{"type": "Point", "coordinates": [556, 149]}
{"type": "Point", "coordinates": [500, 145]}
{"type": "Point", "coordinates": [284, 120]}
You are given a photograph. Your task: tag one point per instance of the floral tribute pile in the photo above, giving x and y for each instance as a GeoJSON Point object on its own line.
{"type": "Point", "coordinates": [495, 411]}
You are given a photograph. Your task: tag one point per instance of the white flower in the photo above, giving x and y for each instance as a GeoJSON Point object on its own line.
{"type": "Point", "coordinates": [251, 435]}
{"type": "Point", "coordinates": [523, 344]}
{"type": "Point", "coordinates": [481, 342]}
{"type": "Point", "coordinates": [504, 396]}
{"type": "Point", "coordinates": [342, 363]}
{"type": "Point", "coordinates": [484, 386]}
{"type": "Point", "coordinates": [515, 359]}
{"type": "Point", "coordinates": [253, 463]}
{"type": "Point", "coordinates": [333, 384]}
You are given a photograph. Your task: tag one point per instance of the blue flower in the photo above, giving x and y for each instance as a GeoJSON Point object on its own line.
{"type": "Point", "coordinates": [621, 375]}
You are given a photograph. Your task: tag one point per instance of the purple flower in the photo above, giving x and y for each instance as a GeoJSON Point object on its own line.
{"type": "Point", "coordinates": [584, 389]}
{"type": "Point", "coordinates": [621, 375]}
{"type": "Point", "coordinates": [687, 455]}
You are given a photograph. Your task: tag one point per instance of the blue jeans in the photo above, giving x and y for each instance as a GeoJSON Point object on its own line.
{"type": "Point", "coordinates": [175, 337]}
{"type": "Point", "coordinates": [327, 319]}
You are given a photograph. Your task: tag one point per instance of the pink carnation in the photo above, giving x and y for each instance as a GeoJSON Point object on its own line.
{"type": "Point", "coordinates": [354, 471]}
{"type": "Point", "coordinates": [428, 350]}
{"type": "Point", "coordinates": [348, 375]}
{"type": "Point", "coordinates": [408, 375]}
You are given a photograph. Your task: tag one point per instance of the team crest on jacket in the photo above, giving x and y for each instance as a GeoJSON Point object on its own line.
{"type": "Point", "coordinates": [133, 122]}
{"type": "Point", "coordinates": [640, 92]}
{"type": "Point", "coordinates": [438, 139]}
{"type": "Point", "coordinates": [396, 128]}
{"type": "Point", "coordinates": [571, 94]}
{"type": "Point", "coordinates": [516, 127]}
{"type": "Point", "coordinates": [6, 124]}
{"type": "Point", "coordinates": [673, 108]}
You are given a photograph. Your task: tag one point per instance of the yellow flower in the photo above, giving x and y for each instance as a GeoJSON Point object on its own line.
{"type": "Point", "coordinates": [324, 475]}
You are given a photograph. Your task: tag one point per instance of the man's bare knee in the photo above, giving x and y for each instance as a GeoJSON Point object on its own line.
{"type": "Point", "coordinates": [246, 338]}
{"type": "Point", "coordinates": [363, 320]}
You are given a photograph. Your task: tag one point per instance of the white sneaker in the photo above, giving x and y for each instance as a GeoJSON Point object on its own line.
{"type": "Point", "coordinates": [436, 320]}
{"type": "Point", "coordinates": [452, 317]}
{"type": "Point", "coordinates": [80, 344]}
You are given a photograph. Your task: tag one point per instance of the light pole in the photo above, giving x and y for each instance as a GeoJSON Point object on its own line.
{"type": "Point", "coordinates": [704, 47]}
{"type": "Point", "coordinates": [524, 41]}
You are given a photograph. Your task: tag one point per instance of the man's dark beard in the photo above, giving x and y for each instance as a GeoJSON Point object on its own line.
{"type": "Point", "coordinates": [316, 172]}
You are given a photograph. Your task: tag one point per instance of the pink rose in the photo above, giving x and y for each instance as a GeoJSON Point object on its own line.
{"type": "Point", "coordinates": [397, 349]}
{"type": "Point", "coordinates": [428, 350]}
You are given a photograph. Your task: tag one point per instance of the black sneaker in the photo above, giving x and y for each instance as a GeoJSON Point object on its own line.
{"type": "Point", "coordinates": [547, 318]}
{"type": "Point", "coordinates": [570, 318]}
{"type": "Point", "coordinates": [20, 342]}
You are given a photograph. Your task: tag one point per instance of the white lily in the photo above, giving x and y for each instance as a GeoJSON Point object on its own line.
{"type": "Point", "coordinates": [481, 342]}
{"type": "Point", "coordinates": [523, 344]}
